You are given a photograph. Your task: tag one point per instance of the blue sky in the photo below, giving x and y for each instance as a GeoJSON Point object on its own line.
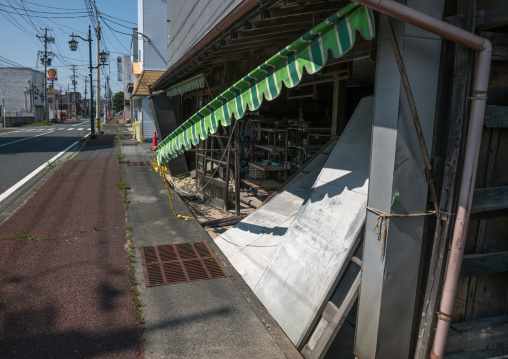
{"type": "Point", "coordinates": [21, 21]}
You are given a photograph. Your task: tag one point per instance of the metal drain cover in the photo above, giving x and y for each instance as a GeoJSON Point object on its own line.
{"type": "Point", "coordinates": [180, 263]}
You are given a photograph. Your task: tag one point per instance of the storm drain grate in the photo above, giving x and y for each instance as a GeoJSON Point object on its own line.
{"type": "Point", "coordinates": [180, 263]}
{"type": "Point", "coordinates": [137, 164]}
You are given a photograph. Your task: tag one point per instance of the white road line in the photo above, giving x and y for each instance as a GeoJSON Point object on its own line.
{"type": "Point", "coordinates": [81, 128]}
{"type": "Point", "coordinates": [88, 129]}
{"type": "Point", "coordinates": [60, 129]}
{"type": "Point", "coordinates": [24, 139]}
{"type": "Point", "coordinates": [34, 173]}
{"type": "Point", "coordinates": [9, 132]}
{"type": "Point", "coordinates": [70, 129]}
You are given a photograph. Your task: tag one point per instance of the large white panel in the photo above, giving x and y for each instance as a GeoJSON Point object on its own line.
{"type": "Point", "coordinates": [251, 243]}
{"type": "Point", "coordinates": [313, 250]}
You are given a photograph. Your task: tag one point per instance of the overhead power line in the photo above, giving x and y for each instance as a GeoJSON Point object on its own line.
{"type": "Point", "coordinates": [44, 17]}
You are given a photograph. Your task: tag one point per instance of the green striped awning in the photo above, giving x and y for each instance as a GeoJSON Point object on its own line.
{"type": "Point", "coordinates": [193, 83]}
{"type": "Point", "coordinates": [336, 35]}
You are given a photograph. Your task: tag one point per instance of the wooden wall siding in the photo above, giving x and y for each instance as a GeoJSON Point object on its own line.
{"type": "Point", "coordinates": [190, 20]}
{"type": "Point", "coordinates": [487, 295]}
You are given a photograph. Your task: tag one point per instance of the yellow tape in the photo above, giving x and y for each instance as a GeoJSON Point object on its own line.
{"type": "Point", "coordinates": [162, 170]}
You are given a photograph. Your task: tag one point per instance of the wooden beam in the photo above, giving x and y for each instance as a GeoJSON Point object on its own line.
{"type": "Point", "coordinates": [231, 49]}
{"type": "Point", "coordinates": [304, 9]}
{"type": "Point", "coordinates": [488, 333]}
{"type": "Point", "coordinates": [305, 25]}
{"type": "Point", "coordinates": [281, 21]}
{"type": "Point", "coordinates": [335, 108]}
{"type": "Point", "coordinates": [495, 15]}
{"type": "Point", "coordinates": [237, 166]}
{"type": "Point", "coordinates": [496, 116]}
{"type": "Point", "coordinates": [227, 57]}
{"type": "Point", "coordinates": [267, 38]}
{"type": "Point", "coordinates": [336, 317]}
{"type": "Point", "coordinates": [480, 264]}
{"type": "Point", "coordinates": [490, 199]}
{"type": "Point", "coordinates": [361, 50]}
{"type": "Point", "coordinates": [499, 53]}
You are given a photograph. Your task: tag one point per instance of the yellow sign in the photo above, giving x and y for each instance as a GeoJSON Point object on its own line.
{"type": "Point", "coordinates": [52, 75]}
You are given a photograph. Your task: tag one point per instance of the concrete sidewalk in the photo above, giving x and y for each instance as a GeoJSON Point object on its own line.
{"type": "Point", "coordinates": [216, 318]}
{"type": "Point", "coordinates": [64, 276]}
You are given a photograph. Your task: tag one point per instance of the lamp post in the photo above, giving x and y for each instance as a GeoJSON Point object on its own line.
{"type": "Point", "coordinates": [103, 56]}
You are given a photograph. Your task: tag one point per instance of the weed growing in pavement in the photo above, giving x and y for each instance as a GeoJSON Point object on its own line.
{"type": "Point", "coordinates": [138, 314]}
{"type": "Point", "coordinates": [120, 158]}
{"type": "Point", "coordinates": [123, 185]}
{"type": "Point", "coordinates": [50, 164]}
{"type": "Point", "coordinates": [25, 236]}
{"type": "Point", "coordinates": [40, 123]}
{"type": "Point", "coordinates": [97, 229]}
{"type": "Point", "coordinates": [81, 230]}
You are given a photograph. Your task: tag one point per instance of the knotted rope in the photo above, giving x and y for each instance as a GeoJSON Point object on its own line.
{"type": "Point", "coordinates": [382, 221]}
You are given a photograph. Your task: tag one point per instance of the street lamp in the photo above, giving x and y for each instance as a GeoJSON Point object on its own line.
{"type": "Point", "coordinates": [73, 45]}
{"type": "Point", "coordinates": [103, 56]}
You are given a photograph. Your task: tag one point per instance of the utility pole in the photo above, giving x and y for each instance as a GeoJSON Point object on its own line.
{"type": "Point", "coordinates": [74, 83]}
{"type": "Point", "coordinates": [46, 40]}
{"type": "Point", "coordinates": [98, 112]}
{"type": "Point", "coordinates": [84, 106]}
{"type": "Point", "coordinates": [60, 106]}
{"type": "Point", "coordinates": [108, 96]}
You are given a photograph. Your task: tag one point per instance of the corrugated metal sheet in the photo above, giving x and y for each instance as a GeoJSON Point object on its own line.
{"type": "Point", "coordinates": [153, 25]}
{"type": "Point", "coordinates": [190, 20]}
{"type": "Point", "coordinates": [147, 123]}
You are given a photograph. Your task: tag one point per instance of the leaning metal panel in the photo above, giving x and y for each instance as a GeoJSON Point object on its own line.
{"type": "Point", "coordinates": [300, 276]}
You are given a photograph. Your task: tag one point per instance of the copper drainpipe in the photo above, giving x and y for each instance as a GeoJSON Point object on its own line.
{"type": "Point", "coordinates": [477, 112]}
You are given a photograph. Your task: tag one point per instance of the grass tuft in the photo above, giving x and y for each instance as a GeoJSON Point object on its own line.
{"type": "Point", "coordinates": [123, 185]}
{"type": "Point", "coordinates": [120, 158]}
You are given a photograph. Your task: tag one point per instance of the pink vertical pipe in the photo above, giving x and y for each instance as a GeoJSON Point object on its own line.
{"type": "Point", "coordinates": [477, 112]}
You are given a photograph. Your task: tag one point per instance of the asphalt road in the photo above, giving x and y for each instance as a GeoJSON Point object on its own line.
{"type": "Point", "coordinates": [23, 150]}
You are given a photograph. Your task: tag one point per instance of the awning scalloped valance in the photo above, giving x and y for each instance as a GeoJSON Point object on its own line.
{"type": "Point", "coordinates": [193, 83]}
{"type": "Point", "coordinates": [335, 35]}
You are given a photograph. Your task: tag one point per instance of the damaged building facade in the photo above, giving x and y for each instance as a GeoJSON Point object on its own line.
{"type": "Point", "coordinates": [371, 138]}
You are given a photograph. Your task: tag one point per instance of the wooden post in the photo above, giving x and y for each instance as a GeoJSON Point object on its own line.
{"type": "Point", "coordinates": [458, 126]}
{"type": "Point", "coordinates": [228, 169]}
{"type": "Point", "coordinates": [205, 146]}
{"type": "Point", "coordinates": [339, 102]}
{"type": "Point", "coordinates": [212, 147]}
{"type": "Point", "coordinates": [237, 167]}
{"type": "Point", "coordinates": [335, 108]}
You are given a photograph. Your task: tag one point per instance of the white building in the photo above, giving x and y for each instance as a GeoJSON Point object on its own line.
{"type": "Point", "coordinates": [21, 92]}
{"type": "Point", "coordinates": [151, 59]}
